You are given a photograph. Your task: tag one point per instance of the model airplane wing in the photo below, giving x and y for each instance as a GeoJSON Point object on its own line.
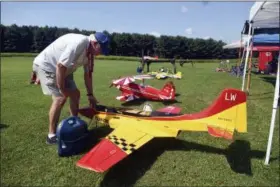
{"type": "Point", "coordinates": [142, 77]}
{"type": "Point", "coordinates": [161, 75]}
{"type": "Point", "coordinates": [170, 110]}
{"type": "Point", "coordinates": [158, 75]}
{"type": "Point", "coordinates": [126, 97]}
{"type": "Point", "coordinates": [123, 141]}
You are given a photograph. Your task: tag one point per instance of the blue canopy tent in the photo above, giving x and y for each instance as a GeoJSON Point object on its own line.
{"type": "Point", "coordinates": [259, 39]}
{"type": "Point", "coordinates": [266, 40]}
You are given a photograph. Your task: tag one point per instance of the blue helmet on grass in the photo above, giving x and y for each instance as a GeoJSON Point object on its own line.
{"type": "Point", "coordinates": [72, 134]}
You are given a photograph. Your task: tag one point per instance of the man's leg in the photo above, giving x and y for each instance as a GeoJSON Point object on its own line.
{"type": "Point", "coordinates": [54, 113]}
{"type": "Point", "coordinates": [49, 87]}
{"type": "Point", "coordinates": [74, 96]}
{"type": "Point", "coordinates": [74, 102]}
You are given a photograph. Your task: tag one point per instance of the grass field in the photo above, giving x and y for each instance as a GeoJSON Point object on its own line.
{"type": "Point", "coordinates": [192, 159]}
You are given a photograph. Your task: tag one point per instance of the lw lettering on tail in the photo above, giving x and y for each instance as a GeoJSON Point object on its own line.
{"type": "Point", "coordinates": [230, 97]}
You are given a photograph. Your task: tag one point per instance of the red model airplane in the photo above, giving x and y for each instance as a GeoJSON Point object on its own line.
{"type": "Point", "coordinates": [131, 90]}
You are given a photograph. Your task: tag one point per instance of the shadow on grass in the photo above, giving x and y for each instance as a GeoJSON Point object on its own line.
{"type": "Point", "coordinates": [3, 126]}
{"type": "Point", "coordinates": [94, 137]}
{"type": "Point", "coordinates": [256, 73]}
{"type": "Point", "coordinates": [177, 95]}
{"type": "Point", "coordinates": [133, 167]}
{"type": "Point", "coordinates": [239, 156]}
{"type": "Point", "coordinates": [139, 102]}
{"type": "Point", "coordinates": [262, 94]}
{"type": "Point", "coordinates": [136, 102]}
{"type": "Point", "coordinates": [261, 98]}
{"type": "Point", "coordinates": [274, 159]}
{"type": "Point", "coordinates": [271, 80]}
{"type": "Point", "coordinates": [170, 102]}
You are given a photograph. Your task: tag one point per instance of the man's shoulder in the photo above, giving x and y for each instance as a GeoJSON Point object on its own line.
{"type": "Point", "coordinates": [74, 39]}
{"type": "Point", "coordinates": [74, 36]}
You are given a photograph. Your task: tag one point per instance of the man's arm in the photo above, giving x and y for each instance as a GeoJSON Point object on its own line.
{"type": "Point", "coordinates": [65, 61]}
{"type": "Point", "coordinates": [88, 80]}
{"type": "Point", "coordinates": [88, 84]}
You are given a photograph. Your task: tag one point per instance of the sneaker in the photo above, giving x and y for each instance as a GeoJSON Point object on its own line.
{"type": "Point", "coordinates": [52, 140]}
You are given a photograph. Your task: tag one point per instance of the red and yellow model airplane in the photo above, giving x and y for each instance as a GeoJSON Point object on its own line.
{"type": "Point", "coordinates": [134, 128]}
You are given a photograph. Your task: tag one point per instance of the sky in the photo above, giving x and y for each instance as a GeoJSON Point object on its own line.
{"type": "Point", "coordinates": [217, 20]}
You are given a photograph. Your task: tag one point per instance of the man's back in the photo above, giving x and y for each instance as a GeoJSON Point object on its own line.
{"type": "Point", "coordinates": [67, 46]}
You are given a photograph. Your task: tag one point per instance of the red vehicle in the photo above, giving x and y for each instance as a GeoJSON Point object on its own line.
{"type": "Point", "coordinates": [266, 56]}
{"type": "Point", "coordinates": [131, 90]}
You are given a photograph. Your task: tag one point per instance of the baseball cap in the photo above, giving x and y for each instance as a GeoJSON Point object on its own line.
{"type": "Point", "coordinates": [103, 40]}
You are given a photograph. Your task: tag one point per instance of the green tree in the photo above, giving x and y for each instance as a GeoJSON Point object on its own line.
{"type": "Point", "coordinates": [35, 39]}
{"type": "Point", "coordinates": [11, 38]}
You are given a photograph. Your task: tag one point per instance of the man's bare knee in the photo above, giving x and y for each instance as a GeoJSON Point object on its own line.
{"type": "Point", "coordinates": [59, 101]}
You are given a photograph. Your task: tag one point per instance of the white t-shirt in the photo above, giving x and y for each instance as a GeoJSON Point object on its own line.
{"type": "Point", "coordinates": [69, 50]}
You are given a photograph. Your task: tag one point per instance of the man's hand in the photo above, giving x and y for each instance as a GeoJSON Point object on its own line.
{"type": "Point", "coordinates": [92, 101]}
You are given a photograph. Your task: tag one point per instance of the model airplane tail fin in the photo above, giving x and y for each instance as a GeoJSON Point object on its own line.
{"type": "Point", "coordinates": [226, 114]}
{"type": "Point", "coordinates": [169, 90]}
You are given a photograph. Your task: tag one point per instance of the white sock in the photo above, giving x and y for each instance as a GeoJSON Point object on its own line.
{"type": "Point", "coordinates": [50, 135]}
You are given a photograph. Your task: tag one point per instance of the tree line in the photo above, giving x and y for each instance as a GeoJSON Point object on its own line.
{"type": "Point", "coordinates": [34, 39]}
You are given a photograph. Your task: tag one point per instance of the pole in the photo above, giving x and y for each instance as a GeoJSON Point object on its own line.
{"type": "Point", "coordinates": [142, 60]}
{"type": "Point", "coordinates": [244, 51]}
{"type": "Point", "coordinates": [247, 55]}
{"type": "Point", "coordinates": [249, 71]}
{"type": "Point", "coordinates": [274, 110]}
{"type": "Point", "coordinates": [250, 66]}
{"type": "Point", "coordinates": [239, 54]}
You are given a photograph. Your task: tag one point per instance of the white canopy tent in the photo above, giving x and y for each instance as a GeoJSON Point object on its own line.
{"type": "Point", "coordinates": [235, 45]}
{"type": "Point", "coordinates": [264, 15]}
{"type": "Point", "coordinates": [238, 44]}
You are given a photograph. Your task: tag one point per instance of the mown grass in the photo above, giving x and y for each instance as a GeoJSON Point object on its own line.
{"type": "Point", "coordinates": [99, 57]}
{"type": "Point", "coordinates": [192, 159]}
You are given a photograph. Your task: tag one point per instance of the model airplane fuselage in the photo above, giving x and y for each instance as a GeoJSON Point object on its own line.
{"type": "Point", "coordinates": [134, 128]}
